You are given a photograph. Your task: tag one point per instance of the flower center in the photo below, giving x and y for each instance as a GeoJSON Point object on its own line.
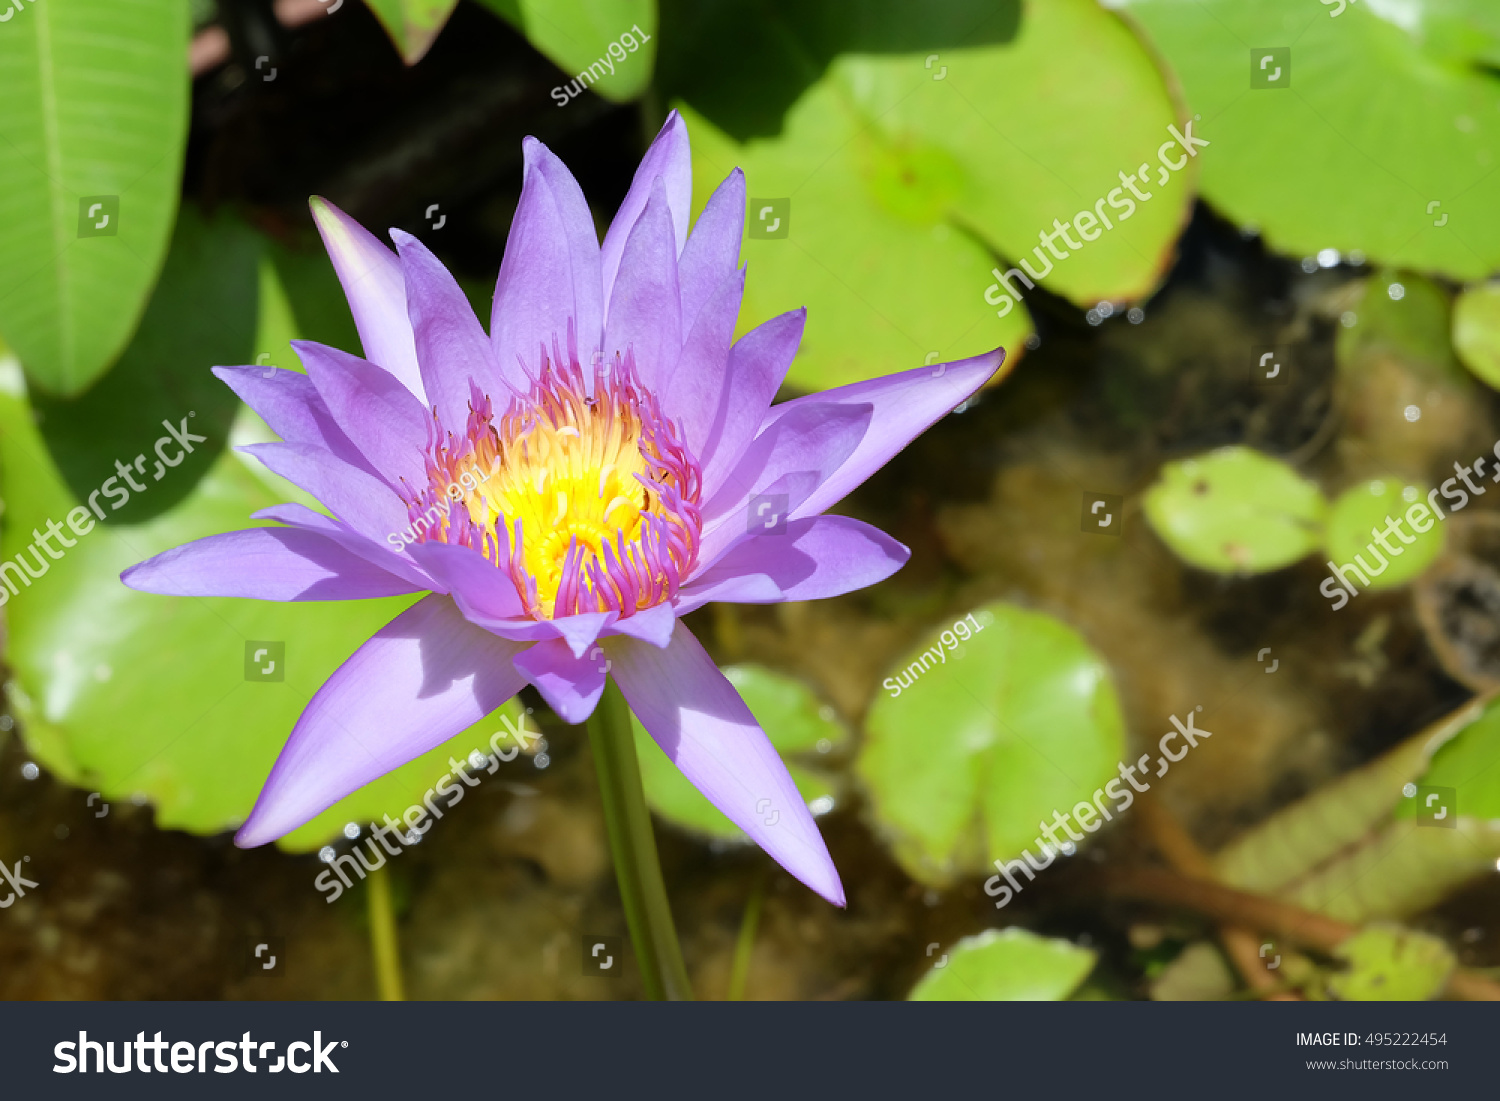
{"type": "Point", "coordinates": [581, 491]}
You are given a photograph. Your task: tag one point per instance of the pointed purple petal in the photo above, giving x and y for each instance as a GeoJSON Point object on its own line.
{"type": "Point", "coordinates": [550, 271]}
{"type": "Point", "coordinates": [645, 310]}
{"type": "Point", "coordinates": [372, 281]}
{"type": "Point", "coordinates": [360, 499]}
{"type": "Point", "coordinates": [476, 584]}
{"type": "Point", "coordinates": [380, 554]}
{"type": "Point", "coordinates": [696, 382]}
{"type": "Point", "coordinates": [703, 726]}
{"type": "Point", "coordinates": [265, 564]}
{"type": "Point", "coordinates": [581, 631]}
{"type": "Point", "coordinates": [818, 437]}
{"type": "Point", "coordinates": [905, 405]}
{"type": "Point", "coordinates": [570, 685]}
{"type": "Point", "coordinates": [814, 559]}
{"type": "Point", "coordinates": [737, 527]}
{"type": "Point", "coordinates": [292, 408]}
{"type": "Point", "coordinates": [712, 251]}
{"type": "Point", "coordinates": [671, 158]}
{"type": "Point", "coordinates": [757, 365]}
{"type": "Point", "coordinates": [382, 417]}
{"type": "Point", "coordinates": [421, 679]}
{"type": "Point", "coordinates": [451, 346]}
{"type": "Point", "coordinates": [653, 625]}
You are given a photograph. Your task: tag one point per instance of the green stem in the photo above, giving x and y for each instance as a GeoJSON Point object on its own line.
{"type": "Point", "coordinates": [637, 868]}
{"type": "Point", "coordinates": [383, 937]}
{"type": "Point", "coordinates": [739, 973]}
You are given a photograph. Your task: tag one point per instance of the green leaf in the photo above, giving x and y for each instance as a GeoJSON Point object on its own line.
{"type": "Point", "coordinates": [576, 36]}
{"type": "Point", "coordinates": [412, 24]}
{"type": "Point", "coordinates": [1404, 314]}
{"type": "Point", "coordinates": [1476, 331]}
{"type": "Point", "coordinates": [1380, 140]}
{"type": "Point", "coordinates": [134, 694]}
{"type": "Point", "coordinates": [1390, 964]}
{"type": "Point", "coordinates": [1006, 965]}
{"type": "Point", "coordinates": [1365, 509]}
{"type": "Point", "coordinates": [903, 173]}
{"type": "Point", "coordinates": [95, 118]}
{"type": "Point", "coordinates": [1236, 510]}
{"type": "Point", "coordinates": [792, 718]}
{"type": "Point", "coordinates": [1352, 850]}
{"type": "Point", "coordinates": [1000, 721]}
{"type": "Point", "coordinates": [1470, 765]}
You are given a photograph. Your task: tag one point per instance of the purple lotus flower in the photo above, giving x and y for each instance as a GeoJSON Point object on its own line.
{"type": "Point", "coordinates": [604, 462]}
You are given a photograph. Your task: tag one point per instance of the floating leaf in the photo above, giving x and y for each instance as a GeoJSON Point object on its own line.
{"type": "Point", "coordinates": [1350, 849]}
{"type": "Point", "coordinates": [412, 24]}
{"type": "Point", "coordinates": [1003, 720]}
{"type": "Point", "coordinates": [1006, 965]}
{"type": "Point", "coordinates": [792, 718]}
{"type": "Point", "coordinates": [883, 198]}
{"type": "Point", "coordinates": [132, 693]}
{"type": "Point", "coordinates": [91, 143]}
{"type": "Point", "coordinates": [1476, 331]}
{"type": "Point", "coordinates": [1372, 507]}
{"type": "Point", "coordinates": [1376, 134]}
{"type": "Point", "coordinates": [576, 36]}
{"type": "Point", "coordinates": [1469, 764]}
{"type": "Point", "coordinates": [1390, 964]}
{"type": "Point", "coordinates": [1236, 510]}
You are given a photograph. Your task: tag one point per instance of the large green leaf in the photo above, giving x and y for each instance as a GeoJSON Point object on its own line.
{"type": "Point", "coordinates": [1353, 850]}
{"type": "Point", "coordinates": [135, 694]}
{"type": "Point", "coordinates": [1005, 965]}
{"type": "Point", "coordinates": [95, 119]}
{"type": "Point", "coordinates": [902, 177]}
{"type": "Point", "coordinates": [1236, 510]}
{"type": "Point", "coordinates": [1382, 137]}
{"type": "Point", "coordinates": [799, 727]}
{"type": "Point", "coordinates": [980, 735]}
{"type": "Point", "coordinates": [576, 35]}
{"type": "Point", "coordinates": [412, 24]}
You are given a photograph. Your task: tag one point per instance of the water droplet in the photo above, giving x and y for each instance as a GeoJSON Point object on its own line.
{"type": "Point", "coordinates": [326, 854]}
{"type": "Point", "coordinates": [1409, 790]}
{"type": "Point", "coordinates": [30, 771]}
{"type": "Point", "coordinates": [1396, 291]}
{"type": "Point", "coordinates": [1412, 413]}
{"type": "Point", "coordinates": [1328, 258]}
{"type": "Point", "coordinates": [1135, 315]}
{"type": "Point", "coordinates": [351, 830]}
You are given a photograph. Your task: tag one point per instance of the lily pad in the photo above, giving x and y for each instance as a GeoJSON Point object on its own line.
{"type": "Point", "coordinates": [1006, 965]}
{"type": "Point", "coordinates": [91, 144]}
{"type": "Point", "coordinates": [798, 726]}
{"type": "Point", "coordinates": [576, 35]}
{"type": "Point", "coordinates": [989, 728]}
{"type": "Point", "coordinates": [1370, 508]}
{"type": "Point", "coordinates": [904, 176]}
{"type": "Point", "coordinates": [412, 24]}
{"type": "Point", "coordinates": [1476, 331]}
{"type": "Point", "coordinates": [1236, 511]}
{"type": "Point", "coordinates": [1390, 964]}
{"type": "Point", "coordinates": [150, 696]}
{"type": "Point", "coordinates": [1377, 135]}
